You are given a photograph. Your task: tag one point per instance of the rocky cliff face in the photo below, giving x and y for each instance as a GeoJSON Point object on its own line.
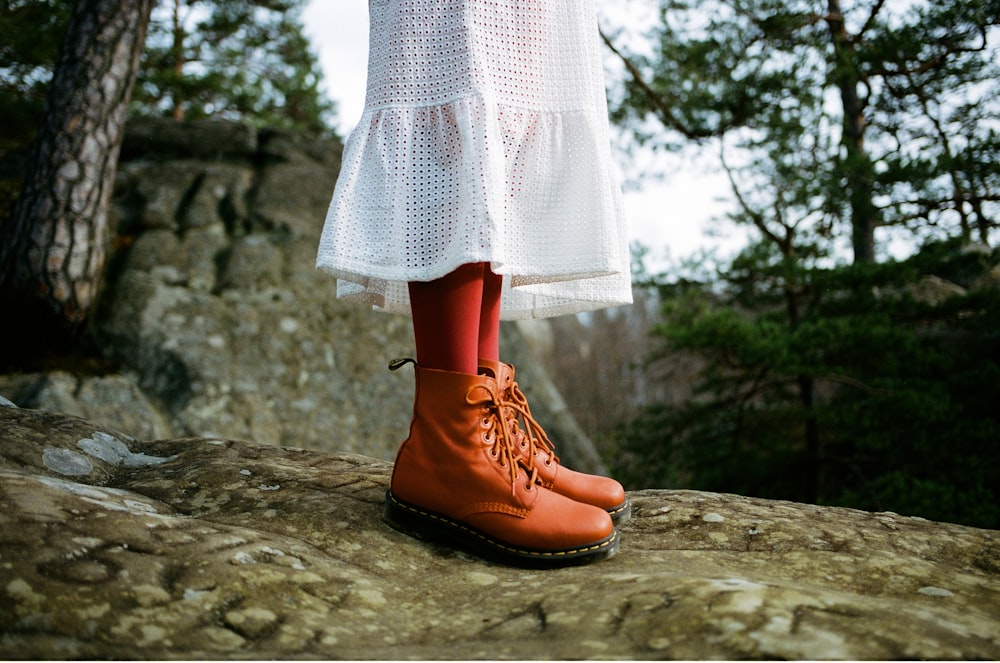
{"type": "Point", "coordinates": [217, 321]}
{"type": "Point", "coordinates": [189, 548]}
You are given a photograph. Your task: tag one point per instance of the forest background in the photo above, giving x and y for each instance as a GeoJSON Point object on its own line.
{"type": "Point", "coordinates": [810, 366]}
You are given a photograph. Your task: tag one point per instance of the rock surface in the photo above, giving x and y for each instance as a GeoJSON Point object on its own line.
{"type": "Point", "coordinates": [212, 548]}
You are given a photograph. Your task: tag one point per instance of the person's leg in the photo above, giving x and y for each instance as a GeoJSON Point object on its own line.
{"type": "Point", "coordinates": [489, 316]}
{"type": "Point", "coordinates": [446, 315]}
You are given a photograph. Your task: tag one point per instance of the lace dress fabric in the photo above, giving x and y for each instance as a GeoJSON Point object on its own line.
{"type": "Point", "coordinates": [484, 139]}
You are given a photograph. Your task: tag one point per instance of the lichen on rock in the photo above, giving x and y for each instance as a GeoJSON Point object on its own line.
{"type": "Point", "coordinates": [187, 556]}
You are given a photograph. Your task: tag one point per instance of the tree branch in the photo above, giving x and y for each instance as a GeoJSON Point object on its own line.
{"type": "Point", "coordinates": [666, 114]}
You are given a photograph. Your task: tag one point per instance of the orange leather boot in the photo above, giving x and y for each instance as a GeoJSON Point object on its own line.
{"type": "Point", "coordinates": [457, 479]}
{"type": "Point", "coordinates": [537, 453]}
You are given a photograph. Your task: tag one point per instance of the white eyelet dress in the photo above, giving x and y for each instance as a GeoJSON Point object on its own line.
{"type": "Point", "coordinates": [484, 139]}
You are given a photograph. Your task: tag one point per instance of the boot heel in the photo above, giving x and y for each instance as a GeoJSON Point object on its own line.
{"type": "Point", "coordinates": [408, 521]}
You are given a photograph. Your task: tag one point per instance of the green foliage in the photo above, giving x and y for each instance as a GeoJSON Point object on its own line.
{"type": "Point", "coordinates": [30, 34]}
{"type": "Point", "coordinates": [878, 394]}
{"type": "Point", "coordinates": [238, 59]}
{"type": "Point", "coordinates": [891, 121]}
{"type": "Point", "coordinates": [235, 59]}
{"type": "Point", "coordinates": [935, 115]}
{"type": "Point", "coordinates": [819, 381]}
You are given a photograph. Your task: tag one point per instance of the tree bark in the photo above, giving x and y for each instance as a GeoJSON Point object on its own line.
{"type": "Point", "coordinates": [858, 169]}
{"type": "Point", "coordinates": [54, 245]}
{"type": "Point", "coordinates": [177, 50]}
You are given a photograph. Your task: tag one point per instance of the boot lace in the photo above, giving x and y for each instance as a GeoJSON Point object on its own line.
{"type": "Point", "coordinates": [503, 440]}
{"type": "Point", "coordinates": [517, 411]}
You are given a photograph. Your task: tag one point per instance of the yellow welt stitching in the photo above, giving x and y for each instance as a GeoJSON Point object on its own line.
{"type": "Point", "coordinates": [619, 509]}
{"type": "Point", "coordinates": [496, 544]}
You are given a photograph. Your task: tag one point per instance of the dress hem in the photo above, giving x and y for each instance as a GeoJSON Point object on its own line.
{"type": "Point", "coordinates": [523, 298]}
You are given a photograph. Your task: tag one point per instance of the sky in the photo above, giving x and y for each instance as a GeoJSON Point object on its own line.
{"type": "Point", "coordinates": [669, 211]}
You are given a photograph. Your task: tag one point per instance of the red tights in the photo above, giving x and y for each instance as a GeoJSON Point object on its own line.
{"type": "Point", "coordinates": [456, 319]}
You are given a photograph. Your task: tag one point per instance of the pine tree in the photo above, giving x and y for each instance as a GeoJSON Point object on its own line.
{"type": "Point", "coordinates": [53, 247]}
{"type": "Point", "coordinates": [232, 59]}
{"type": "Point", "coordinates": [868, 115]}
{"type": "Point", "coordinates": [225, 58]}
{"type": "Point", "coordinates": [820, 380]}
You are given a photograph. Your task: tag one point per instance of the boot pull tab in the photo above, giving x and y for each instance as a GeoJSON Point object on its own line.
{"type": "Point", "coordinates": [397, 364]}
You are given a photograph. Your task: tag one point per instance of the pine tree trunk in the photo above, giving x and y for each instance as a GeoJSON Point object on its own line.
{"type": "Point", "coordinates": [857, 166]}
{"type": "Point", "coordinates": [53, 247]}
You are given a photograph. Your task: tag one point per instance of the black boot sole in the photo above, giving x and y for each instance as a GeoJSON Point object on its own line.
{"type": "Point", "coordinates": [429, 526]}
{"type": "Point", "coordinates": [621, 513]}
